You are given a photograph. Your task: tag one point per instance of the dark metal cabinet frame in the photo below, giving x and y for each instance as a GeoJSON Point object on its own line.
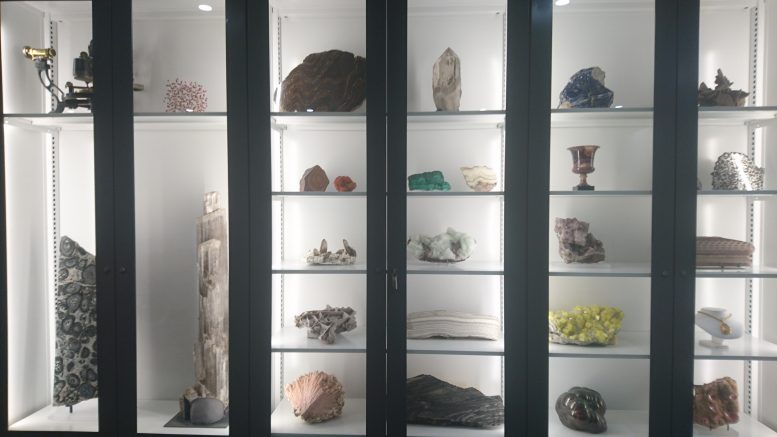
{"type": "Point", "coordinates": [526, 210]}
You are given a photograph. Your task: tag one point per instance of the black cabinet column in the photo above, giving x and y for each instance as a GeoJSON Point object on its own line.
{"type": "Point", "coordinates": [674, 217]}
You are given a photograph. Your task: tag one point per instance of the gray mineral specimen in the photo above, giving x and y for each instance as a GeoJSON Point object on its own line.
{"type": "Point", "coordinates": [576, 244]}
{"type": "Point", "coordinates": [446, 81]}
{"type": "Point", "coordinates": [327, 323]}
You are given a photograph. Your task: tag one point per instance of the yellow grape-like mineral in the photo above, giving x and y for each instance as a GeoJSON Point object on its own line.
{"type": "Point", "coordinates": [585, 325]}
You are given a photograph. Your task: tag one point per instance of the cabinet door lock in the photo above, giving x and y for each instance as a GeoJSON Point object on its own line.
{"type": "Point", "coordinates": [394, 280]}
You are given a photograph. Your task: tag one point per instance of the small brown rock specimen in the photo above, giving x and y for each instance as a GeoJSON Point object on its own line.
{"type": "Point", "coordinates": [576, 244]}
{"type": "Point", "coordinates": [344, 183]}
{"type": "Point", "coordinates": [327, 323]}
{"type": "Point", "coordinates": [314, 179]}
{"type": "Point", "coordinates": [722, 95]}
{"type": "Point", "coordinates": [331, 81]}
{"type": "Point", "coordinates": [316, 397]}
{"type": "Point", "coordinates": [716, 404]}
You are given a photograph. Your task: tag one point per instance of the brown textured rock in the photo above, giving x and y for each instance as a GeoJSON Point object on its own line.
{"type": "Point", "coordinates": [716, 404]}
{"type": "Point", "coordinates": [722, 95]}
{"type": "Point", "coordinates": [333, 81]}
{"type": "Point", "coordinates": [314, 179]}
{"type": "Point", "coordinates": [327, 323]}
{"type": "Point", "coordinates": [576, 244]}
{"type": "Point", "coordinates": [316, 397]}
{"type": "Point", "coordinates": [344, 183]}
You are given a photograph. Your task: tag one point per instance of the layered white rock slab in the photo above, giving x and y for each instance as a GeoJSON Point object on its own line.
{"type": "Point", "coordinates": [480, 178]}
{"type": "Point", "coordinates": [446, 81]}
{"type": "Point", "coordinates": [452, 324]}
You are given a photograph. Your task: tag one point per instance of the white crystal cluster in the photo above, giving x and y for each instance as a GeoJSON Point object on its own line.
{"type": "Point", "coordinates": [451, 246]}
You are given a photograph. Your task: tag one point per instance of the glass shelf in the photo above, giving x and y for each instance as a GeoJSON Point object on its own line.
{"type": "Point", "coordinates": [600, 269]}
{"type": "Point", "coordinates": [302, 268]}
{"type": "Point", "coordinates": [603, 193]}
{"type": "Point", "coordinates": [746, 272]}
{"type": "Point", "coordinates": [292, 339]}
{"type": "Point", "coordinates": [85, 121]}
{"type": "Point", "coordinates": [351, 422]}
{"type": "Point", "coordinates": [348, 194]}
{"type": "Point", "coordinates": [747, 426]}
{"type": "Point", "coordinates": [629, 344]}
{"type": "Point", "coordinates": [438, 431]}
{"type": "Point", "coordinates": [455, 194]}
{"type": "Point", "coordinates": [440, 346]}
{"type": "Point", "coordinates": [745, 348]}
{"type": "Point", "coordinates": [754, 195]}
{"type": "Point", "coordinates": [620, 423]}
{"type": "Point", "coordinates": [462, 268]}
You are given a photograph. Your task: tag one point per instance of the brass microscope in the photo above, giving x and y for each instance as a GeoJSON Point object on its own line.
{"type": "Point", "coordinates": [83, 70]}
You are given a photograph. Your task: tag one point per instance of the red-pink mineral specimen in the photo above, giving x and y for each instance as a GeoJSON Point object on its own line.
{"type": "Point", "coordinates": [715, 404]}
{"type": "Point", "coordinates": [316, 397]}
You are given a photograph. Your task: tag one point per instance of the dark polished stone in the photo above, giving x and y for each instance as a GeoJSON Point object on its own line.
{"type": "Point", "coordinates": [431, 401]}
{"type": "Point", "coordinates": [582, 409]}
{"type": "Point", "coordinates": [586, 89]}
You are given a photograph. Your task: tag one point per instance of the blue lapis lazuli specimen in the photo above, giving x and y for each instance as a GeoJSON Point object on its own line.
{"type": "Point", "coordinates": [586, 90]}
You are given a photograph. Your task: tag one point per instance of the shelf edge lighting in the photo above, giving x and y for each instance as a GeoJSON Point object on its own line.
{"type": "Point", "coordinates": [209, 8]}
{"type": "Point", "coordinates": [562, 2]}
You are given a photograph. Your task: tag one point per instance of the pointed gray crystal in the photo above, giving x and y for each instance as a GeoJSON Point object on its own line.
{"type": "Point", "coordinates": [446, 81]}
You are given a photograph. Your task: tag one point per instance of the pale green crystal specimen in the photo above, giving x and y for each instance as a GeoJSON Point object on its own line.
{"type": "Point", "coordinates": [585, 325]}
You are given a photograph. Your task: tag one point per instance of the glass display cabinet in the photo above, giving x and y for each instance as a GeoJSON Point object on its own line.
{"type": "Point", "coordinates": [601, 154]}
{"type": "Point", "coordinates": [50, 307]}
{"type": "Point", "coordinates": [319, 216]}
{"type": "Point", "coordinates": [416, 218]}
{"type": "Point", "coordinates": [454, 178]}
{"type": "Point", "coordinates": [735, 332]}
{"type": "Point", "coordinates": [181, 204]}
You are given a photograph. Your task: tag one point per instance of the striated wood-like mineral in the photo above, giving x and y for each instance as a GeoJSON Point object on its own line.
{"type": "Point", "coordinates": [327, 323]}
{"type": "Point", "coordinates": [211, 352]}
{"type": "Point", "coordinates": [333, 81]}
{"type": "Point", "coordinates": [316, 397]}
{"type": "Point", "coordinates": [582, 409]}
{"type": "Point", "coordinates": [431, 401]}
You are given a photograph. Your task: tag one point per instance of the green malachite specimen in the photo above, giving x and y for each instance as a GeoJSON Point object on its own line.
{"type": "Point", "coordinates": [585, 325]}
{"type": "Point", "coordinates": [428, 181]}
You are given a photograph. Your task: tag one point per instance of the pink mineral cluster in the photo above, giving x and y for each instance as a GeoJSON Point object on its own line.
{"type": "Point", "coordinates": [316, 397]}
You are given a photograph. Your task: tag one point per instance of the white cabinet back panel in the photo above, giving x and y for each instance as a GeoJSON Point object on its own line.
{"type": "Point", "coordinates": [30, 346]}
{"type": "Point", "coordinates": [172, 172]}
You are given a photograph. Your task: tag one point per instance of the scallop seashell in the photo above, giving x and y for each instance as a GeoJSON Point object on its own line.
{"type": "Point", "coordinates": [316, 397]}
{"type": "Point", "coordinates": [480, 178]}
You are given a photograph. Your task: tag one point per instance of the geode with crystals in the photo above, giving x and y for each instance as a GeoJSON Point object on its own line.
{"type": "Point", "coordinates": [75, 309]}
{"type": "Point", "coordinates": [582, 409]}
{"type": "Point", "coordinates": [431, 401]}
{"type": "Point", "coordinates": [736, 171]}
{"type": "Point", "coordinates": [576, 244]}
{"type": "Point", "coordinates": [316, 397]}
{"type": "Point", "coordinates": [586, 89]}
{"type": "Point", "coordinates": [722, 95]}
{"type": "Point", "coordinates": [327, 323]}
{"type": "Point", "coordinates": [331, 81]}
{"type": "Point", "coordinates": [446, 81]}
{"type": "Point", "coordinates": [716, 404]}
{"type": "Point", "coordinates": [322, 255]}
{"type": "Point", "coordinates": [451, 246]}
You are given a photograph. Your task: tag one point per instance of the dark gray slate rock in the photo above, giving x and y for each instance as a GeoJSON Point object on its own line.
{"type": "Point", "coordinates": [582, 409]}
{"type": "Point", "coordinates": [75, 308]}
{"type": "Point", "coordinates": [431, 401]}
